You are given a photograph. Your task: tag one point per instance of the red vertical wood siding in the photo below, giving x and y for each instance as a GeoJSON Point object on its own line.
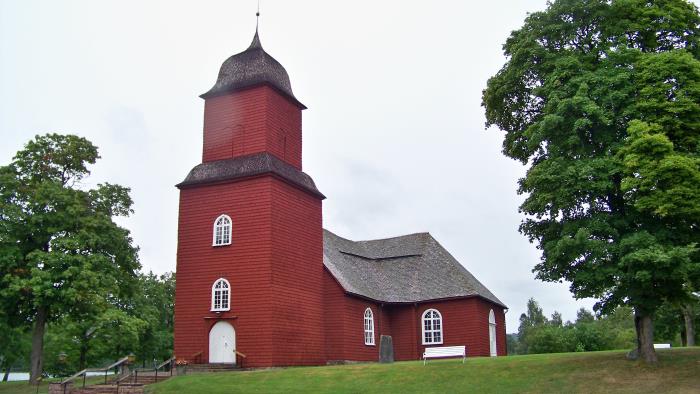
{"type": "Point", "coordinates": [464, 321]}
{"type": "Point", "coordinates": [246, 264]}
{"type": "Point", "coordinates": [252, 121]}
{"type": "Point", "coordinates": [297, 277]}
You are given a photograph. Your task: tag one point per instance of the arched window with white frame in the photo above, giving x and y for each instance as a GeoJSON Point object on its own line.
{"type": "Point", "coordinates": [432, 327]}
{"type": "Point", "coordinates": [369, 327]}
{"type": "Point", "coordinates": [222, 231]}
{"type": "Point", "coordinates": [221, 295]}
{"type": "Point", "coordinates": [492, 334]}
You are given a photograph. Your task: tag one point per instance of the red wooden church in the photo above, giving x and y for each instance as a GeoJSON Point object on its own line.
{"type": "Point", "coordinates": [258, 274]}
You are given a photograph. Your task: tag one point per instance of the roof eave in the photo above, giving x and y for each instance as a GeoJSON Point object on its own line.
{"type": "Point", "coordinates": [221, 92]}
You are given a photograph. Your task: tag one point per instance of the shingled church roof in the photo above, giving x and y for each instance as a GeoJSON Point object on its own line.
{"type": "Point", "coordinates": [405, 269]}
{"type": "Point", "coordinates": [249, 166]}
{"type": "Point", "coordinates": [249, 68]}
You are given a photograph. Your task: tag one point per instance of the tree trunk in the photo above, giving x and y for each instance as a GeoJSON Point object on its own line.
{"type": "Point", "coordinates": [6, 365]}
{"type": "Point", "coordinates": [645, 337]}
{"type": "Point", "coordinates": [689, 327]}
{"type": "Point", "coordinates": [36, 360]}
{"type": "Point", "coordinates": [82, 358]}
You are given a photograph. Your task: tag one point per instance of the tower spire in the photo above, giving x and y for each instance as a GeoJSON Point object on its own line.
{"type": "Point", "coordinates": [256, 39]}
{"type": "Point", "coordinates": [257, 17]}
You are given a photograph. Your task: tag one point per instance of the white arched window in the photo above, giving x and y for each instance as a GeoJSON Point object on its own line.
{"type": "Point", "coordinates": [221, 295]}
{"type": "Point", "coordinates": [222, 231]}
{"type": "Point", "coordinates": [369, 327]}
{"type": "Point", "coordinates": [432, 327]}
{"type": "Point", "coordinates": [492, 333]}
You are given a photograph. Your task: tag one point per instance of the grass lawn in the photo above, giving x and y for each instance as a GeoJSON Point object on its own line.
{"type": "Point", "coordinates": [678, 371]}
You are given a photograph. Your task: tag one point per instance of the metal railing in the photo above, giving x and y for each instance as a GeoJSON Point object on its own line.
{"type": "Point", "coordinates": [133, 376]}
{"type": "Point", "coordinates": [83, 373]}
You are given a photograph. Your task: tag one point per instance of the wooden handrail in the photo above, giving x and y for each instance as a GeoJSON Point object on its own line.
{"type": "Point", "coordinates": [86, 370]}
{"type": "Point", "coordinates": [168, 361]}
{"type": "Point", "coordinates": [239, 353]}
{"type": "Point", "coordinates": [136, 370]}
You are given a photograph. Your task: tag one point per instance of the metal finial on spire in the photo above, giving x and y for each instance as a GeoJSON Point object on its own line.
{"type": "Point", "coordinates": [256, 39]}
{"type": "Point", "coordinates": [257, 16]}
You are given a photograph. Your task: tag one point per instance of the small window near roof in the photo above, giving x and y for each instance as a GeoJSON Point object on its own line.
{"type": "Point", "coordinates": [222, 231]}
{"type": "Point", "coordinates": [369, 327]}
{"type": "Point", "coordinates": [432, 327]}
{"type": "Point", "coordinates": [221, 295]}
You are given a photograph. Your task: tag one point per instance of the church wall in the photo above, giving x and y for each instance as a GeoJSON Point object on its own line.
{"type": "Point", "coordinates": [284, 128]}
{"type": "Point", "coordinates": [465, 322]}
{"type": "Point", "coordinates": [245, 264]}
{"type": "Point", "coordinates": [403, 320]}
{"type": "Point", "coordinates": [344, 320]}
{"type": "Point", "coordinates": [297, 277]}
{"type": "Point", "coordinates": [334, 320]}
{"type": "Point", "coordinates": [252, 121]}
{"type": "Point", "coordinates": [234, 124]}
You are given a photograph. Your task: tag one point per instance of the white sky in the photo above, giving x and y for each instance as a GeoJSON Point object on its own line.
{"type": "Point", "coordinates": [394, 135]}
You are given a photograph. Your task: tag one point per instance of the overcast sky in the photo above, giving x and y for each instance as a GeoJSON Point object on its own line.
{"type": "Point", "coordinates": [394, 135]}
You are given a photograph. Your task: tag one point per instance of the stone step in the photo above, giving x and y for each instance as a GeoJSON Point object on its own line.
{"type": "Point", "coordinates": [97, 389]}
{"type": "Point", "coordinates": [110, 389]}
{"type": "Point", "coordinates": [211, 367]}
{"type": "Point", "coordinates": [147, 379]}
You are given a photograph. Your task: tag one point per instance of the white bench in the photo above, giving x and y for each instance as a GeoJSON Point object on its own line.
{"type": "Point", "coordinates": [445, 351]}
{"type": "Point", "coordinates": [662, 346]}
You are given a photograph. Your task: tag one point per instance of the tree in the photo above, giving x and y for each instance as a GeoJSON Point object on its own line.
{"type": "Point", "coordinates": [60, 250]}
{"type": "Point", "coordinates": [528, 322]}
{"type": "Point", "coordinates": [155, 303]}
{"type": "Point", "coordinates": [602, 100]}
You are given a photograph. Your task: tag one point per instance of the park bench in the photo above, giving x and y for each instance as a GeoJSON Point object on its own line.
{"type": "Point", "coordinates": [445, 351]}
{"type": "Point", "coordinates": [662, 346]}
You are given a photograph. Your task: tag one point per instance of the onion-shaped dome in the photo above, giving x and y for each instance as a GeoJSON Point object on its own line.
{"type": "Point", "coordinates": [252, 67]}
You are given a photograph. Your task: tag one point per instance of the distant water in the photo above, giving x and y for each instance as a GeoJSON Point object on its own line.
{"type": "Point", "coordinates": [15, 376]}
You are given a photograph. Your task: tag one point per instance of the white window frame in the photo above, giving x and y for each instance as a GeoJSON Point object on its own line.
{"type": "Point", "coordinates": [432, 330]}
{"type": "Point", "coordinates": [223, 223]}
{"type": "Point", "coordinates": [492, 323]}
{"type": "Point", "coordinates": [369, 327]}
{"type": "Point", "coordinates": [227, 296]}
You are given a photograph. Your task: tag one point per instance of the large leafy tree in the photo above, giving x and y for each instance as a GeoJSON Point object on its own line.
{"type": "Point", "coordinates": [155, 304]}
{"type": "Point", "coordinates": [601, 99]}
{"type": "Point", "coordinates": [61, 252]}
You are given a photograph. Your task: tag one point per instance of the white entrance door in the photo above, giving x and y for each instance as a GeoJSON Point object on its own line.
{"type": "Point", "coordinates": [492, 339]}
{"type": "Point", "coordinates": [222, 343]}
{"type": "Point", "coordinates": [492, 333]}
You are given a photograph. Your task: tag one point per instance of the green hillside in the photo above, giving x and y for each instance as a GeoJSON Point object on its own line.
{"type": "Point", "coordinates": [678, 371]}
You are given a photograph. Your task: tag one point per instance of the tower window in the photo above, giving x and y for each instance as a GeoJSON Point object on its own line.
{"type": "Point", "coordinates": [221, 295]}
{"type": "Point", "coordinates": [369, 327]}
{"type": "Point", "coordinates": [222, 231]}
{"type": "Point", "coordinates": [432, 327]}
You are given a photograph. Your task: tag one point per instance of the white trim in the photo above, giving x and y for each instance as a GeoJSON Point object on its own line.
{"type": "Point", "coordinates": [226, 231]}
{"type": "Point", "coordinates": [227, 290]}
{"type": "Point", "coordinates": [368, 321]}
{"type": "Point", "coordinates": [493, 338]}
{"type": "Point", "coordinates": [432, 331]}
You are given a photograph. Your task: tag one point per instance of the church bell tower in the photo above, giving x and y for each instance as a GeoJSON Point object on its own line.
{"type": "Point", "coordinates": [250, 240]}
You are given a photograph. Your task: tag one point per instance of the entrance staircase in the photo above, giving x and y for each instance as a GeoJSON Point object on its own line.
{"type": "Point", "coordinates": [134, 381]}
